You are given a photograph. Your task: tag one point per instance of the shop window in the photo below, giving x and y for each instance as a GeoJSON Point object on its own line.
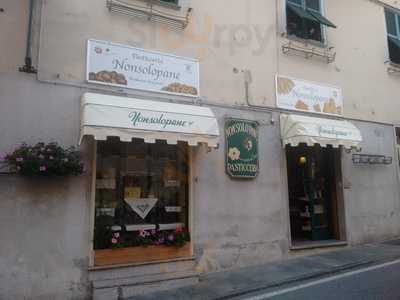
{"type": "Point", "coordinates": [305, 20]}
{"type": "Point", "coordinates": [397, 130]}
{"type": "Point", "coordinates": [141, 201]}
{"type": "Point", "coordinates": [313, 176]}
{"type": "Point", "coordinates": [393, 35]}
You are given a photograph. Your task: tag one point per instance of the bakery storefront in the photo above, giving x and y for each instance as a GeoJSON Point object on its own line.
{"type": "Point", "coordinates": [141, 186]}
{"type": "Point", "coordinates": [141, 179]}
{"type": "Point", "coordinates": [313, 149]}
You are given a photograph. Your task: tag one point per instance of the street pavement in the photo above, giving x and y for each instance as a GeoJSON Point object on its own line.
{"type": "Point", "coordinates": [239, 283]}
{"type": "Point", "coordinates": [376, 282]}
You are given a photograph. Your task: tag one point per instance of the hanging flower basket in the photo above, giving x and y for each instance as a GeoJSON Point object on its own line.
{"type": "Point", "coordinates": [45, 160]}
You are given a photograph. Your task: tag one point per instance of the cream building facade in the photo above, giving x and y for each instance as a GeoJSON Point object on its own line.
{"type": "Point", "coordinates": [241, 47]}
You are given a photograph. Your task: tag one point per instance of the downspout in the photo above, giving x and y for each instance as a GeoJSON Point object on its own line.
{"type": "Point", "coordinates": [28, 68]}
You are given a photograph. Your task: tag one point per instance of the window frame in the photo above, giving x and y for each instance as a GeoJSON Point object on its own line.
{"type": "Point", "coordinates": [173, 5]}
{"type": "Point", "coordinates": [324, 42]}
{"type": "Point", "coordinates": [92, 146]}
{"type": "Point", "coordinates": [397, 37]}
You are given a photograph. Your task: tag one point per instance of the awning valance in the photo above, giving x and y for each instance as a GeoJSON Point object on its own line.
{"type": "Point", "coordinates": [310, 15]}
{"type": "Point", "coordinates": [296, 129]}
{"type": "Point", "coordinates": [104, 116]}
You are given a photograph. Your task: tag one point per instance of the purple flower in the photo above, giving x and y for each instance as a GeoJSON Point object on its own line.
{"type": "Point", "coordinates": [142, 233]}
{"type": "Point", "coordinates": [153, 231]}
{"type": "Point", "coordinates": [19, 159]}
{"type": "Point", "coordinates": [114, 240]}
{"type": "Point", "coordinates": [42, 168]}
{"type": "Point", "coordinates": [171, 237]}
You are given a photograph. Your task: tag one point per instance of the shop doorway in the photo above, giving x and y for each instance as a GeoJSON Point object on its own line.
{"type": "Point", "coordinates": [313, 179]}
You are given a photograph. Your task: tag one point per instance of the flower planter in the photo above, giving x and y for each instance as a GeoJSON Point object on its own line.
{"type": "Point", "coordinates": [139, 254]}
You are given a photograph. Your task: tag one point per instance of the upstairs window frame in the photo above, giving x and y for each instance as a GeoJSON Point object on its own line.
{"type": "Point", "coordinates": [395, 37]}
{"type": "Point", "coordinates": [174, 4]}
{"type": "Point", "coordinates": [323, 41]}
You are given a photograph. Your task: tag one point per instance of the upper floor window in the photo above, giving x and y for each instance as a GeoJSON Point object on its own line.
{"type": "Point", "coordinates": [304, 19]}
{"type": "Point", "coordinates": [393, 32]}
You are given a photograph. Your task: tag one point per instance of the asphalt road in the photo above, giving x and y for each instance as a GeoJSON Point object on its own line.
{"type": "Point", "coordinates": [376, 282]}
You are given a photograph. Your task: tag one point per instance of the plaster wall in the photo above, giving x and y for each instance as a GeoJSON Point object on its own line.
{"type": "Point", "coordinates": [247, 36]}
{"type": "Point", "coordinates": [44, 223]}
{"type": "Point", "coordinates": [371, 192]}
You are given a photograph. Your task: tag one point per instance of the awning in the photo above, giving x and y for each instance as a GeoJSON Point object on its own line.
{"type": "Point", "coordinates": [300, 12]}
{"type": "Point", "coordinates": [321, 19]}
{"type": "Point", "coordinates": [310, 15]}
{"type": "Point", "coordinates": [105, 116]}
{"type": "Point", "coordinates": [296, 129]}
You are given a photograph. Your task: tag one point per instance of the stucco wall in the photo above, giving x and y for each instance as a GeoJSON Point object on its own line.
{"type": "Point", "coordinates": [13, 24]}
{"type": "Point", "coordinates": [371, 192]}
{"type": "Point", "coordinates": [247, 36]}
{"type": "Point", "coordinates": [240, 222]}
{"type": "Point", "coordinates": [44, 223]}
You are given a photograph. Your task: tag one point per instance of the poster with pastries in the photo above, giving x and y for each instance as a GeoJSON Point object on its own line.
{"type": "Point", "coordinates": [141, 69]}
{"type": "Point", "coordinates": [302, 95]}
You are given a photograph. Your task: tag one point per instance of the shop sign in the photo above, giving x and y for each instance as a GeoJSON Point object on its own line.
{"type": "Point", "coordinates": [241, 148]}
{"type": "Point", "coordinates": [303, 95]}
{"type": "Point", "coordinates": [134, 68]}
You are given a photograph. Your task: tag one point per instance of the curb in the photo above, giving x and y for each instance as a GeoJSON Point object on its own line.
{"type": "Point", "coordinates": [332, 271]}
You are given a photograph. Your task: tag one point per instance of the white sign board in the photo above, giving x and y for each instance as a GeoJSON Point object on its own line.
{"type": "Point", "coordinates": [134, 68]}
{"type": "Point", "coordinates": [303, 95]}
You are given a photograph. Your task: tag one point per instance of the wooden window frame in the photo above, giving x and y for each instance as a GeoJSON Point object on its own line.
{"type": "Point", "coordinates": [132, 256]}
{"type": "Point", "coordinates": [324, 40]}
{"type": "Point", "coordinates": [397, 36]}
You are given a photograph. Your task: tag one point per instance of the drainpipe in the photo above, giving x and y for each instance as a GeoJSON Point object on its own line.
{"type": "Point", "coordinates": [28, 68]}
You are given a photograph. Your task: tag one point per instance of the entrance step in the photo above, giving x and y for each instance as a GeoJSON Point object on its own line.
{"type": "Point", "coordinates": [129, 281]}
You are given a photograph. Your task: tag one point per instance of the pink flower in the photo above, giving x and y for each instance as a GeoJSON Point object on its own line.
{"type": "Point", "coordinates": [171, 237]}
{"type": "Point", "coordinates": [19, 159]}
{"type": "Point", "coordinates": [116, 234]}
{"type": "Point", "coordinates": [42, 168]}
{"type": "Point", "coordinates": [179, 230]}
{"type": "Point", "coordinates": [142, 233]}
{"type": "Point", "coordinates": [153, 231]}
{"type": "Point", "coordinates": [114, 240]}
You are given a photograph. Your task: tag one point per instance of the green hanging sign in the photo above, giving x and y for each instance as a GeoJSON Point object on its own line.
{"type": "Point", "coordinates": [241, 148]}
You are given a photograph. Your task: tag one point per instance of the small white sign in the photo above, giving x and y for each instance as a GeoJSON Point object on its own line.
{"type": "Point", "coordinates": [173, 209]}
{"type": "Point", "coordinates": [295, 94]}
{"type": "Point", "coordinates": [124, 66]}
{"type": "Point", "coordinates": [142, 206]}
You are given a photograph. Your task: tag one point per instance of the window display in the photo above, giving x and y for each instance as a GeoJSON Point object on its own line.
{"type": "Point", "coordinates": [141, 194]}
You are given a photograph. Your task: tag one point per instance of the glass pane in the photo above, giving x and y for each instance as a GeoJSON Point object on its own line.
{"type": "Point", "coordinates": [390, 22]}
{"type": "Point", "coordinates": [297, 2]}
{"type": "Point", "coordinates": [313, 4]}
{"type": "Point", "coordinates": [141, 194]}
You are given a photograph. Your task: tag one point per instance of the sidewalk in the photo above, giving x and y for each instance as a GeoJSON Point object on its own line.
{"type": "Point", "coordinates": [227, 284]}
